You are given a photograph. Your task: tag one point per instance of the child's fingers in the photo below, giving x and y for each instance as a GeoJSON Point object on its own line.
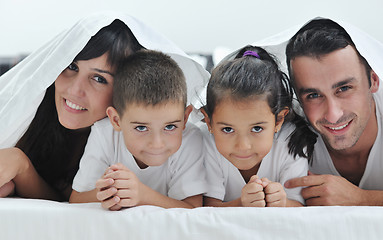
{"type": "Point", "coordinates": [104, 194]}
{"type": "Point", "coordinates": [109, 203]}
{"type": "Point", "coordinates": [273, 187]}
{"type": "Point", "coordinates": [128, 202]}
{"type": "Point", "coordinates": [275, 197]}
{"type": "Point", "coordinates": [118, 166]}
{"type": "Point", "coordinates": [252, 188]}
{"type": "Point", "coordinates": [120, 174]}
{"type": "Point", "coordinates": [104, 183]}
{"type": "Point", "coordinates": [265, 182]}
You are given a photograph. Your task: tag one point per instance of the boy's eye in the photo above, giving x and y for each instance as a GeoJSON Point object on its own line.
{"type": "Point", "coordinates": [170, 127]}
{"type": "Point", "coordinates": [227, 130]}
{"type": "Point", "coordinates": [100, 79]}
{"type": "Point", "coordinates": [73, 66]}
{"type": "Point", "coordinates": [257, 129]}
{"type": "Point", "coordinates": [141, 128]}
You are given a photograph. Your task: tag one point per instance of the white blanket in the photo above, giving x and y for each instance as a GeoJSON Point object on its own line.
{"type": "Point", "coordinates": [41, 219]}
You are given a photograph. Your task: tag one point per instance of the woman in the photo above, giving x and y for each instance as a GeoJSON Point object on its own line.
{"type": "Point", "coordinates": [43, 135]}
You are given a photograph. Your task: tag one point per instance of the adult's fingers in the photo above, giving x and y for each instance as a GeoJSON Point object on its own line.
{"type": "Point", "coordinates": [306, 181]}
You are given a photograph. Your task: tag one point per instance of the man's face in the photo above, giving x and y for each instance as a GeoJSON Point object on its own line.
{"type": "Point", "coordinates": [336, 97]}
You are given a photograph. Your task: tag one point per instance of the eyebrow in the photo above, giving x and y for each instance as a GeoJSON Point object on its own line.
{"type": "Point", "coordinates": [145, 123]}
{"type": "Point", "coordinates": [334, 86]}
{"type": "Point", "coordinates": [252, 124]}
{"type": "Point", "coordinates": [102, 71]}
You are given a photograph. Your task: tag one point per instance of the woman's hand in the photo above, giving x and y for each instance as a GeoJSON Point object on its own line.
{"type": "Point", "coordinates": [13, 162]}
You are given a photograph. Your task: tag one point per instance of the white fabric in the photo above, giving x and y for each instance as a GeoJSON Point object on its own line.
{"type": "Point", "coordinates": [181, 176]}
{"type": "Point", "coordinates": [226, 182]}
{"type": "Point", "coordinates": [23, 87]}
{"type": "Point", "coordinates": [372, 177]}
{"type": "Point", "coordinates": [40, 219]}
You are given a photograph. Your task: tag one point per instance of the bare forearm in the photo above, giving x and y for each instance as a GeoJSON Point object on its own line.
{"type": "Point", "coordinates": [29, 184]}
{"type": "Point", "coordinates": [213, 202]}
{"type": "Point", "coordinates": [156, 199]}
{"type": "Point", "coordinates": [83, 197]}
{"type": "Point", "coordinates": [293, 203]}
{"type": "Point", "coordinates": [371, 198]}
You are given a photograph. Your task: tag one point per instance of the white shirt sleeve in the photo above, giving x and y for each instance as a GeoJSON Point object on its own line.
{"type": "Point", "coordinates": [94, 161]}
{"type": "Point", "coordinates": [186, 166]}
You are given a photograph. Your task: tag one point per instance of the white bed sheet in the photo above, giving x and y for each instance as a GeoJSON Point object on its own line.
{"type": "Point", "coordinates": [40, 219]}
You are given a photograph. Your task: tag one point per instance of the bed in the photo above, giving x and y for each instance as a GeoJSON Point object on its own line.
{"type": "Point", "coordinates": [42, 219]}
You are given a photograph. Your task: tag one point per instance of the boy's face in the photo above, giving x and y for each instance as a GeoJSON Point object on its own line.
{"type": "Point", "coordinates": [151, 133]}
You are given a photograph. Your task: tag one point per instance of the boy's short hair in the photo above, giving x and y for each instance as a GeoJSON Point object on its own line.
{"type": "Point", "coordinates": [148, 77]}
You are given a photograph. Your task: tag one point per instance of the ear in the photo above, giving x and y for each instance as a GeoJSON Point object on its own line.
{"type": "Point", "coordinates": [280, 119]}
{"type": "Point", "coordinates": [188, 110]}
{"type": "Point", "coordinates": [207, 119]}
{"type": "Point", "coordinates": [374, 81]}
{"type": "Point", "coordinates": [114, 118]}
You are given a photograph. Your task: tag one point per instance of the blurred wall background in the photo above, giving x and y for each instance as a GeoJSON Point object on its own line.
{"type": "Point", "coordinates": [197, 26]}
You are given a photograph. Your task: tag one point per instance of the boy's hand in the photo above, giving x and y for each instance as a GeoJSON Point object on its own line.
{"type": "Point", "coordinates": [130, 190]}
{"type": "Point", "coordinates": [106, 192]}
{"type": "Point", "coordinates": [275, 194]}
{"type": "Point", "coordinates": [252, 193]}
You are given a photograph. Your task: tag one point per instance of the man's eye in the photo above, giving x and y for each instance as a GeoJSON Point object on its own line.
{"type": "Point", "coordinates": [227, 130]}
{"type": "Point", "coordinates": [257, 129]}
{"type": "Point", "coordinates": [344, 88]}
{"type": "Point", "coordinates": [170, 127]}
{"type": "Point", "coordinates": [312, 95]}
{"type": "Point", "coordinates": [141, 128]}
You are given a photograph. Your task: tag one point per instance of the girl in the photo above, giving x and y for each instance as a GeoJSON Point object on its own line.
{"type": "Point", "coordinates": [43, 136]}
{"type": "Point", "coordinates": [252, 149]}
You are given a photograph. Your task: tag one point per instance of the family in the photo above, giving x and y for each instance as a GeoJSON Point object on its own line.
{"type": "Point", "coordinates": [109, 112]}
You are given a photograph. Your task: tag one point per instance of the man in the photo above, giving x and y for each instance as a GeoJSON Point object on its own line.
{"type": "Point", "coordinates": [338, 91]}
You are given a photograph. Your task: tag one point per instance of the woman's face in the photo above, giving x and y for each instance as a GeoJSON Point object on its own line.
{"type": "Point", "coordinates": [83, 92]}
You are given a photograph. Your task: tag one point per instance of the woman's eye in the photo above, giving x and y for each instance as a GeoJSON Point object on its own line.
{"type": "Point", "coordinates": [170, 127]}
{"type": "Point", "coordinates": [227, 130]}
{"type": "Point", "coordinates": [73, 66]}
{"type": "Point", "coordinates": [141, 128]}
{"type": "Point", "coordinates": [256, 129]}
{"type": "Point", "coordinates": [100, 79]}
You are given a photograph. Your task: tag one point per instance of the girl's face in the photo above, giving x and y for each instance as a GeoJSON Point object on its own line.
{"type": "Point", "coordinates": [83, 92]}
{"type": "Point", "coordinates": [243, 131]}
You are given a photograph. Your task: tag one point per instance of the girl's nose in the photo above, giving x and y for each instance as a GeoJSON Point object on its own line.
{"type": "Point", "coordinates": [78, 86]}
{"type": "Point", "coordinates": [243, 143]}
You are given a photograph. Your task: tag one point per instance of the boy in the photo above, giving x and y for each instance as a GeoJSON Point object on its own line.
{"type": "Point", "coordinates": [152, 157]}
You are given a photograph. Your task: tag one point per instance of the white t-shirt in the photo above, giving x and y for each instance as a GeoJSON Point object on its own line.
{"type": "Point", "coordinates": [181, 176]}
{"type": "Point", "coordinates": [226, 182]}
{"type": "Point", "coordinates": [372, 178]}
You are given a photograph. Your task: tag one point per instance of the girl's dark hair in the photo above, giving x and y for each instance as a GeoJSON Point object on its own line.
{"type": "Point", "coordinates": [55, 151]}
{"type": "Point", "coordinates": [251, 76]}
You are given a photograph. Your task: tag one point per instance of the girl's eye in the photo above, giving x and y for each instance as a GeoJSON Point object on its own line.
{"type": "Point", "coordinates": [73, 66]}
{"type": "Point", "coordinates": [170, 127]}
{"type": "Point", "coordinates": [100, 79]}
{"type": "Point", "coordinates": [257, 129]}
{"type": "Point", "coordinates": [141, 128]}
{"type": "Point", "coordinates": [227, 130]}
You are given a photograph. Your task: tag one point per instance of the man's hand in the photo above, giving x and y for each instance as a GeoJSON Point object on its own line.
{"type": "Point", "coordinates": [327, 190]}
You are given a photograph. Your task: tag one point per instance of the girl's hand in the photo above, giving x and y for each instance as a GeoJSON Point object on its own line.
{"type": "Point", "coordinates": [13, 161]}
{"type": "Point", "coordinates": [275, 194]}
{"type": "Point", "coordinates": [252, 193]}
